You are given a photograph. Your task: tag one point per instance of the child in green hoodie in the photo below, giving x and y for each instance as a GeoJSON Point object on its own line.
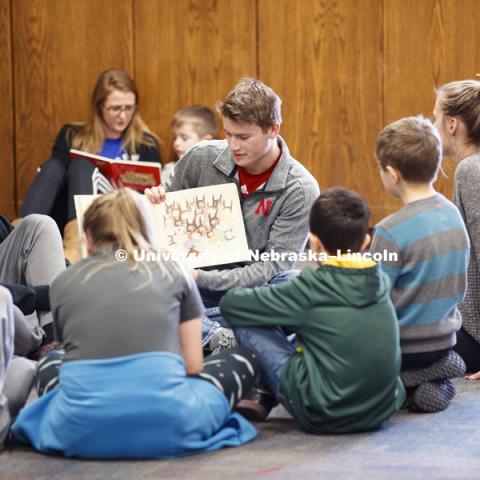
{"type": "Point", "coordinates": [343, 374]}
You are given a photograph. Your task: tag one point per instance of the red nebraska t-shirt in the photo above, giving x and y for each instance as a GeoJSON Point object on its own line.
{"type": "Point", "coordinates": [250, 182]}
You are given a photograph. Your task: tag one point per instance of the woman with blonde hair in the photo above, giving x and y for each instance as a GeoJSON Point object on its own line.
{"type": "Point", "coordinates": [114, 130]}
{"type": "Point", "coordinates": [457, 118]}
{"type": "Point", "coordinates": [132, 382]}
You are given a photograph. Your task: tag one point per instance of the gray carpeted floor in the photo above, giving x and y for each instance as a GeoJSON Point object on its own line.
{"type": "Point", "coordinates": [410, 446]}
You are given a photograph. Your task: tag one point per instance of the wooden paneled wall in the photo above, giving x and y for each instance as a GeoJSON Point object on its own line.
{"type": "Point", "coordinates": [7, 167]}
{"type": "Point", "coordinates": [325, 60]}
{"type": "Point", "coordinates": [428, 43]}
{"type": "Point", "coordinates": [190, 52]}
{"type": "Point", "coordinates": [343, 68]}
{"type": "Point", "coordinates": [59, 48]}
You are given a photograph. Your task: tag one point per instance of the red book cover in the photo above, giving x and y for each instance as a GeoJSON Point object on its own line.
{"type": "Point", "coordinates": [124, 173]}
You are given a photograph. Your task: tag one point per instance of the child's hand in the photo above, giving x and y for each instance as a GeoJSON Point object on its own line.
{"type": "Point", "coordinates": [155, 194]}
{"type": "Point", "coordinates": [475, 376]}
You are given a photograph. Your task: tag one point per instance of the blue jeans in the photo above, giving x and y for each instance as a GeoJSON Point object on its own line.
{"type": "Point", "coordinates": [213, 319]}
{"type": "Point", "coordinates": [273, 349]}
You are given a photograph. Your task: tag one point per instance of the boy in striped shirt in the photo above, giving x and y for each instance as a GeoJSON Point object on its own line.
{"type": "Point", "coordinates": [429, 274]}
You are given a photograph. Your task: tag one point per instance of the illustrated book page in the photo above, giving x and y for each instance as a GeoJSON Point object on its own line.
{"type": "Point", "coordinates": [200, 226]}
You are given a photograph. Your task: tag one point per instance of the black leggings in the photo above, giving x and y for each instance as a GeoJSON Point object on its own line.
{"type": "Point", "coordinates": [469, 349]}
{"type": "Point", "coordinates": [52, 191]}
{"type": "Point", "coordinates": [411, 361]}
{"type": "Point", "coordinates": [233, 371]}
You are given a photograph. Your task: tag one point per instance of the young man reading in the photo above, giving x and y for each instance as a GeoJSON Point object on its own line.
{"type": "Point", "coordinates": [276, 191]}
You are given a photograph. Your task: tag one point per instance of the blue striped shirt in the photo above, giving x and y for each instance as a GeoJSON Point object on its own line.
{"type": "Point", "coordinates": [429, 274]}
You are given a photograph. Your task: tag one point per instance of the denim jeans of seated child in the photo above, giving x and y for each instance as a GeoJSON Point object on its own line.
{"type": "Point", "coordinates": [273, 349]}
{"type": "Point", "coordinates": [213, 319]}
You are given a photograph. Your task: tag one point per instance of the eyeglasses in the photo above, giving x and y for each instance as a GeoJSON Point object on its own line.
{"type": "Point", "coordinates": [118, 109]}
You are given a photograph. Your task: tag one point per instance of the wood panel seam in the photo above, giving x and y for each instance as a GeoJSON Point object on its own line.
{"type": "Point", "coordinates": [257, 39]}
{"type": "Point", "coordinates": [13, 112]}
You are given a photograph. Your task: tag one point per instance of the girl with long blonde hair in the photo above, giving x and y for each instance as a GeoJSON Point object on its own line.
{"type": "Point", "coordinates": [132, 382]}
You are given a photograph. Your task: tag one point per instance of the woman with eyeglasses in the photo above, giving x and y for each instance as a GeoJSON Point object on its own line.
{"type": "Point", "coordinates": [114, 130]}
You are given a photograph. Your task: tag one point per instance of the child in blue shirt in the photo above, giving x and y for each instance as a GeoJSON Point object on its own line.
{"type": "Point", "coordinates": [431, 245]}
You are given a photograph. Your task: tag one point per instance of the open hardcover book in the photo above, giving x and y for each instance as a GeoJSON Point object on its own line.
{"type": "Point", "coordinates": [200, 226]}
{"type": "Point", "coordinates": [124, 173]}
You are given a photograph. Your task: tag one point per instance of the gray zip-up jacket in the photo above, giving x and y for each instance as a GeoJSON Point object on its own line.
{"type": "Point", "coordinates": [275, 215]}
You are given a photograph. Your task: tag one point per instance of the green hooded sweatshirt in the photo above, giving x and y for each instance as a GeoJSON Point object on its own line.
{"type": "Point", "coordinates": [345, 374]}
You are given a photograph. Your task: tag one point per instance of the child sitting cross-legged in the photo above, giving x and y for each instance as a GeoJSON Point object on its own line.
{"type": "Point", "coordinates": [429, 268]}
{"type": "Point", "coordinates": [132, 382]}
{"type": "Point", "coordinates": [342, 375]}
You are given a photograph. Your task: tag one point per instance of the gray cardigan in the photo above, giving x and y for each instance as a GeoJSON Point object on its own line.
{"type": "Point", "coordinates": [290, 191]}
{"type": "Point", "coordinates": [467, 199]}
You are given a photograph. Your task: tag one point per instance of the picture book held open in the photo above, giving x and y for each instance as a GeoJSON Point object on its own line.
{"type": "Point", "coordinates": [200, 226]}
{"type": "Point", "coordinates": [124, 173]}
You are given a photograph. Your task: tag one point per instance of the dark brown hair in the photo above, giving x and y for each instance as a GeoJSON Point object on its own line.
{"type": "Point", "coordinates": [339, 218]}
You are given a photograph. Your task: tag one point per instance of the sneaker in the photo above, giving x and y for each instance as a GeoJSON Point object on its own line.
{"type": "Point", "coordinates": [431, 397]}
{"type": "Point", "coordinates": [222, 338]}
{"type": "Point", "coordinates": [449, 366]}
{"type": "Point", "coordinates": [257, 405]}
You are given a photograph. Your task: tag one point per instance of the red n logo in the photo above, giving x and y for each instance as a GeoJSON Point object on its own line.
{"type": "Point", "coordinates": [263, 207]}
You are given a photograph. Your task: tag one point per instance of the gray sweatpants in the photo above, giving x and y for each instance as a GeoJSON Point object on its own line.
{"type": "Point", "coordinates": [32, 254]}
{"type": "Point", "coordinates": [16, 374]}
